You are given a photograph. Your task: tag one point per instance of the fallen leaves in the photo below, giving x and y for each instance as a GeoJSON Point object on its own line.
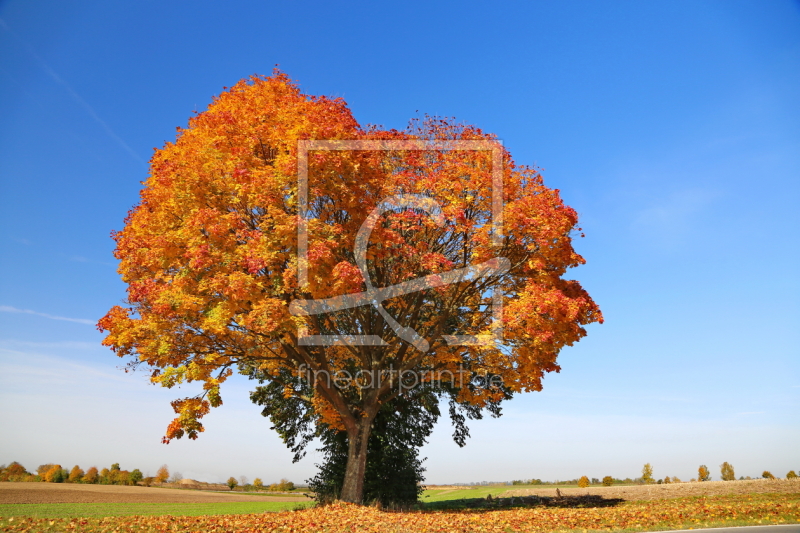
{"type": "Point", "coordinates": [682, 513]}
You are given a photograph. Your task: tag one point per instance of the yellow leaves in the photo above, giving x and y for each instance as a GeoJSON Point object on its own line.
{"type": "Point", "coordinates": [266, 316]}
{"type": "Point", "coordinates": [343, 517]}
{"type": "Point", "coordinates": [211, 253]}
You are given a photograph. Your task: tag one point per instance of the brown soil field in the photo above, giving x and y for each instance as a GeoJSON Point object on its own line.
{"type": "Point", "coordinates": [74, 493]}
{"type": "Point", "coordinates": [672, 490]}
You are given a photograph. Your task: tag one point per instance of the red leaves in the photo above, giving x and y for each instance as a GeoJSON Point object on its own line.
{"type": "Point", "coordinates": [653, 515]}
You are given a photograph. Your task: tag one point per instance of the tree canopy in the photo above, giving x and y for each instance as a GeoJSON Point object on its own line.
{"type": "Point", "coordinates": [219, 275]}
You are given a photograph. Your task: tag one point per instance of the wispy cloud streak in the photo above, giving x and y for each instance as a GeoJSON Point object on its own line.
{"type": "Point", "coordinates": [9, 309]}
{"type": "Point", "coordinates": [75, 96]}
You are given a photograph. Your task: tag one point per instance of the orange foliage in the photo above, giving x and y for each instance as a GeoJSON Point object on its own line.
{"type": "Point", "coordinates": [210, 256]}
{"type": "Point", "coordinates": [341, 517]}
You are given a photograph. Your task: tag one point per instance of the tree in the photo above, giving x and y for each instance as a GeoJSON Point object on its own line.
{"type": "Point", "coordinates": [232, 482]}
{"type": "Point", "coordinates": [176, 477]}
{"type": "Point", "coordinates": [258, 484]}
{"type": "Point", "coordinates": [647, 473]}
{"type": "Point", "coordinates": [608, 481]}
{"type": "Point", "coordinates": [726, 469]}
{"type": "Point", "coordinates": [91, 475]}
{"type": "Point", "coordinates": [135, 477]}
{"type": "Point", "coordinates": [583, 482]}
{"type": "Point", "coordinates": [703, 474]}
{"type": "Point", "coordinates": [394, 472]}
{"type": "Point", "coordinates": [13, 472]}
{"type": "Point", "coordinates": [76, 474]}
{"type": "Point", "coordinates": [163, 474]}
{"type": "Point", "coordinates": [55, 474]}
{"type": "Point", "coordinates": [766, 474]}
{"type": "Point", "coordinates": [791, 474]}
{"type": "Point", "coordinates": [43, 469]}
{"type": "Point", "coordinates": [114, 467]}
{"type": "Point", "coordinates": [243, 481]}
{"type": "Point", "coordinates": [215, 279]}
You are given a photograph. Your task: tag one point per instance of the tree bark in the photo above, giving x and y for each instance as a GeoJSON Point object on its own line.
{"type": "Point", "coordinates": [357, 439]}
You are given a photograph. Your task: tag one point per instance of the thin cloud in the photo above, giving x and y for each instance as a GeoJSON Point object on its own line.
{"type": "Point", "coordinates": [9, 309]}
{"type": "Point", "coordinates": [75, 96]}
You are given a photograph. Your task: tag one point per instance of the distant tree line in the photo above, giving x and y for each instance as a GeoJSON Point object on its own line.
{"type": "Point", "coordinates": [703, 474]}
{"type": "Point", "coordinates": [55, 473]}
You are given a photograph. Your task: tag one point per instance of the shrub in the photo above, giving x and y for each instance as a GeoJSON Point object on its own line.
{"type": "Point", "coordinates": [282, 486]}
{"type": "Point", "coordinates": [232, 482]}
{"type": "Point", "coordinates": [583, 482]}
{"type": "Point", "coordinates": [148, 481]}
{"type": "Point", "coordinates": [791, 475]}
{"type": "Point", "coordinates": [703, 474]}
{"type": "Point", "coordinates": [766, 474]}
{"type": "Point", "coordinates": [726, 469]}
{"type": "Point", "coordinates": [676, 479]}
{"type": "Point", "coordinates": [76, 474]}
{"type": "Point", "coordinates": [608, 481]}
{"type": "Point", "coordinates": [91, 475]}
{"type": "Point", "coordinates": [667, 480]}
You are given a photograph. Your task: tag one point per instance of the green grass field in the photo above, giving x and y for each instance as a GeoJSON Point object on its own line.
{"type": "Point", "coordinates": [84, 510]}
{"type": "Point", "coordinates": [440, 495]}
{"type": "Point", "coordinates": [480, 491]}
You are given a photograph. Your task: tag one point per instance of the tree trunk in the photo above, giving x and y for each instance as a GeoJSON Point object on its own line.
{"type": "Point", "coordinates": [357, 439]}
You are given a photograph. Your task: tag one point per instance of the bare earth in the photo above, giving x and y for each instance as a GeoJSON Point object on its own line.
{"type": "Point", "coordinates": [73, 493]}
{"type": "Point", "coordinates": [672, 490]}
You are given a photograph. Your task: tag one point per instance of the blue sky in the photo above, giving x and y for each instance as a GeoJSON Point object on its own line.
{"type": "Point", "coordinates": [672, 127]}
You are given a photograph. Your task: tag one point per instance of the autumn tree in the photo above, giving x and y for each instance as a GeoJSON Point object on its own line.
{"type": "Point", "coordinates": [162, 475]}
{"type": "Point", "coordinates": [55, 474]}
{"type": "Point", "coordinates": [583, 482]}
{"type": "Point", "coordinates": [41, 470]}
{"type": "Point", "coordinates": [232, 482]}
{"type": "Point", "coordinates": [791, 474]}
{"type": "Point", "coordinates": [647, 473]}
{"type": "Point", "coordinates": [766, 474]}
{"type": "Point", "coordinates": [726, 469]}
{"type": "Point", "coordinates": [91, 475]}
{"type": "Point", "coordinates": [608, 481]}
{"type": "Point", "coordinates": [389, 264]}
{"type": "Point", "coordinates": [258, 484]}
{"type": "Point", "coordinates": [13, 472]}
{"type": "Point", "coordinates": [76, 474]}
{"type": "Point", "coordinates": [703, 474]}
